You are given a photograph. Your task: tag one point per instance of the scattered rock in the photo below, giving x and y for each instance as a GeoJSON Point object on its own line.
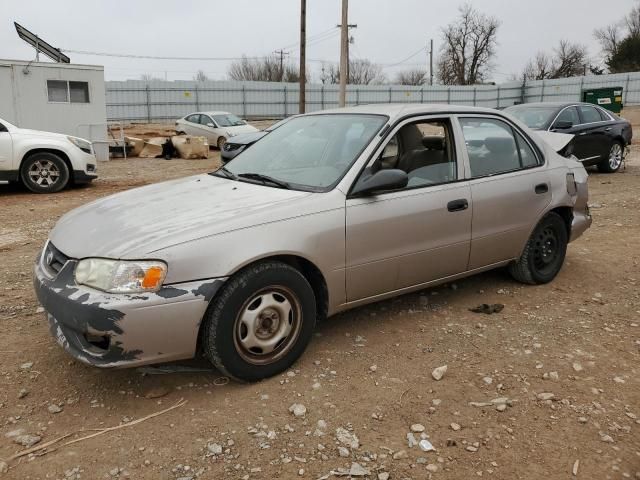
{"type": "Point", "coordinates": [432, 468]}
{"type": "Point", "coordinates": [27, 440]}
{"type": "Point", "coordinates": [4, 468]}
{"type": "Point", "coordinates": [53, 408]}
{"type": "Point", "coordinates": [439, 372]}
{"type": "Point", "coordinates": [214, 448]}
{"type": "Point", "coordinates": [582, 419]}
{"type": "Point", "coordinates": [23, 393]}
{"type": "Point", "coordinates": [455, 427]}
{"type": "Point", "coordinates": [417, 428]}
{"type": "Point", "coordinates": [298, 410]}
{"type": "Point", "coordinates": [574, 470]}
{"type": "Point", "coordinates": [471, 448]}
{"type": "Point", "coordinates": [26, 366]}
{"type": "Point", "coordinates": [501, 407]}
{"type": "Point", "coordinates": [606, 438]}
{"type": "Point", "coordinates": [344, 452]}
{"type": "Point", "coordinates": [400, 454]}
{"type": "Point", "coordinates": [551, 376]}
{"type": "Point", "coordinates": [411, 440]}
{"type": "Point", "coordinates": [373, 368]}
{"type": "Point", "coordinates": [157, 392]}
{"type": "Point", "coordinates": [546, 396]}
{"type": "Point", "coordinates": [347, 438]}
{"type": "Point", "coordinates": [577, 366]}
{"type": "Point", "coordinates": [618, 379]}
{"type": "Point", "coordinates": [425, 446]}
{"type": "Point", "coordinates": [487, 380]}
{"type": "Point", "coordinates": [383, 476]}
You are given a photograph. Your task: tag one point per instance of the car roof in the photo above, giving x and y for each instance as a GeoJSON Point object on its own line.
{"type": "Point", "coordinates": [395, 110]}
{"type": "Point", "coordinates": [214, 113]}
{"type": "Point", "coordinates": [552, 104]}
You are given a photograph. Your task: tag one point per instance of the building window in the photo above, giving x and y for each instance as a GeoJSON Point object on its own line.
{"type": "Point", "coordinates": [63, 91]}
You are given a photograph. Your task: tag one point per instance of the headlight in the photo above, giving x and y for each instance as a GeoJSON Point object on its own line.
{"type": "Point", "coordinates": [116, 276]}
{"type": "Point", "coordinates": [81, 144]}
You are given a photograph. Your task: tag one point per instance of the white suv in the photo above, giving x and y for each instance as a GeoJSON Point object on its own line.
{"type": "Point", "coordinates": [44, 162]}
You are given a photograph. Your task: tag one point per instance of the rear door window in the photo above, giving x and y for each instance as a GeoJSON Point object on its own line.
{"type": "Point", "coordinates": [589, 114]}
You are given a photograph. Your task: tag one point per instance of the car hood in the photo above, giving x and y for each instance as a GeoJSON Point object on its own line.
{"type": "Point", "coordinates": [237, 130]}
{"type": "Point", "coordinates": [138, 222]}
{"type": "Point", "coordinates": [247, 138]}
{"type": "Point", "coordinates": [557, 141]}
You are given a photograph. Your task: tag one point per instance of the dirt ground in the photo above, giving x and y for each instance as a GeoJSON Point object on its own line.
{"type": "Point", "coordinates": [566, 355]}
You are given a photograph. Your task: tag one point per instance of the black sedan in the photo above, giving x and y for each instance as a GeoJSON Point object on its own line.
{"type": "Point", "coordinates": [240, 143]}
{"type": "Point", "coordinates": [600, 137]}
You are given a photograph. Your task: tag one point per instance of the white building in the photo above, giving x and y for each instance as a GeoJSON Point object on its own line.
{"type": "Point", "coordinates": [56, 97]}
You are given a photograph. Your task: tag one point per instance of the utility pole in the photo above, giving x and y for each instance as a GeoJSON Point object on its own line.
{"type": "Point", "coordinates": [431, 62]}
{"type": "Point", "coordinates": [282, 53]}
{"type": "Point", "coordinates": [303, 53]}
{"type": "Point", "coordinates": [344, 49]}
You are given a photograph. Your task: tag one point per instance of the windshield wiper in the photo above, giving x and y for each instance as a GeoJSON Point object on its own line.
{"type": "Point", "coordinates": [227, 173]}
{"type": "Point", "coordinates": [266, 179]}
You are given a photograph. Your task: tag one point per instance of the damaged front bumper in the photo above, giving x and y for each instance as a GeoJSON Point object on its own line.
{"type": "Point", "coordinates": [122, 330]}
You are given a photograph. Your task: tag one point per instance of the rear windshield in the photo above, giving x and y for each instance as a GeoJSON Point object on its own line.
{"type": "Point", "coordinates": [533, 117]}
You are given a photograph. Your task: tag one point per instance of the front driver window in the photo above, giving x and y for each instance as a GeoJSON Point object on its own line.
{"type": "Point", "coordinates": [569, 114]}
{"type": "Point", "coordinates": [424, 151]}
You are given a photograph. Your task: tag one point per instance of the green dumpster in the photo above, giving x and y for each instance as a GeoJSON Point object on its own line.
{"type": "Point", "coordinates": [609, 98]}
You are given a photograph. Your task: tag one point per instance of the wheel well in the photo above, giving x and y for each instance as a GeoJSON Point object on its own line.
{"type": "Point", "coordinates": [59, 153]}
{"type": "Point", "coordinates": [309, 271]}
{"type": "Point", "coordinates": [567, 215]}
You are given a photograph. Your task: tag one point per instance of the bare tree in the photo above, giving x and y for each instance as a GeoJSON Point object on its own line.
{"type": "Point", "coordinates": [412, 76]}
{"type": "Point", "coordinates": [622, 35]}
{"type": "Point", "coordinates": [200, 76]}
{"type": "Point", "coordinates": [148, 77]}
{"type": "Point", "coordinates": [468, 46]}
{"type": "Point", "coordinates": [568, 60]}
{"type": "Point", "coordinates": [266, 69]}
{"type": "Point", "coordinates": [361, 72]}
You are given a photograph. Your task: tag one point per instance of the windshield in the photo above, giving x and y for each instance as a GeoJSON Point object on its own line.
{"type": "Point", "coordinates": [228, 120]}
{"type": "Point", "coordinates": [310, 152]}
{"type": "Point", "coordinates": [277, 124]}
{"type": "Point", "coordinates": [533, 117]}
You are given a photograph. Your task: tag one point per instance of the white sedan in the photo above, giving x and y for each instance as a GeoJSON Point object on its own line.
{"type": "Point", "coordinates": [218, 127]}
{"type": "Point", "coordinates": [44, 162]}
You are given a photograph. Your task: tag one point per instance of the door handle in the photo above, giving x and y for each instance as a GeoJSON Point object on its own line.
{"type": "Point", "coordinates": [582, 133]}
{"type": "Point", "coordinates": [457, 205]}
{"type": "Point", "coordinates": [608, 129]}
{"type": "Point", "coordinates": [542, 188]}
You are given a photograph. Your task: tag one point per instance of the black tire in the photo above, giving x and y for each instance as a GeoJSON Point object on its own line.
{"type": "Point", "coordinates": [544, 253]}
{"type": "Point", "coordinates": [223, 330]}
{"type": "Point", "coordinates": [44, 172]}
{"type": "Point", "coordinates": [614, 161]}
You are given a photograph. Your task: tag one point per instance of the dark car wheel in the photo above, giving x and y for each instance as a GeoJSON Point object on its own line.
{"type": "Point", "coordinates": [44, 172]}
{"type": "Point", "coordinates": [261, 321]}
{"type": "Point", "coordinates": [544, 253]}
{"type": "Point", "coordinates": [616, 156]}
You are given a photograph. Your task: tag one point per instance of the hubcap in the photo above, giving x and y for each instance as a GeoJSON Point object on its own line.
{"type": "Point", "coordinates": [546, 249]}
{"type": "Point", "coordinates": [615, 156]}
{"type": "Point", "coordinates": [267, 325]}
{"type": "Point", "coordinates": [44, 173]}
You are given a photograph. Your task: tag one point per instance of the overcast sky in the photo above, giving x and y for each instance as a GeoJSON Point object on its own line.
{"type": "Point", "coordinates": [388, 31]}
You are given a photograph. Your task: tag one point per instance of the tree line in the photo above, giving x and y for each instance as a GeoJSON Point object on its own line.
{"type": "Point", "coordinates": [467, 57]}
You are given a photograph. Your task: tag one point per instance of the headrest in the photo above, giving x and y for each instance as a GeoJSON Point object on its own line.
{"type": "Point", "coordinates": [500, 144]}
{"type": "Point", "coordinates": [433, 142]}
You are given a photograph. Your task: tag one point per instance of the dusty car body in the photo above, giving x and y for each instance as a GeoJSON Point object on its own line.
{"type": "Point", "coordinates": [365, 203]}
{"type": "Point", "coordinates": [217, 127]}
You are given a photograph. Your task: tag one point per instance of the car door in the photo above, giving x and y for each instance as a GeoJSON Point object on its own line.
{"type": "Point", "coordinates": [510, 188]}
{"type": "Point", "coordinates": [208, 129]}
{"type": "Point", "coordinates": [411, 236]}
{"type": "Point", "coordinates": [6, 149]}
{"type": "Point", "coordinates": [192, 124]}
{"type": "Point", "coordinates": [592, 141]}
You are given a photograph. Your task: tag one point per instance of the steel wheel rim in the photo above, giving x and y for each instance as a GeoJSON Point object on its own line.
{"type": "Point", "coordinates": [546, 250]}
{"type": "Point", "coordinates": [44, 173]}
{"type": "Point", "coordinates": [267, 325]}
{"type": "Point", "coordinates": [615, 156]}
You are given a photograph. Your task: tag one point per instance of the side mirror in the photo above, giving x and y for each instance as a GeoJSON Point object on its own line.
{"type": "Point", "coordinates": [562, 125]}
{"type": "Point", "coordinates": [382, 180]}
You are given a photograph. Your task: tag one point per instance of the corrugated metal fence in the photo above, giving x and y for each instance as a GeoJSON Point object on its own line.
{"type": "Point", "coordinates": [161, 101]}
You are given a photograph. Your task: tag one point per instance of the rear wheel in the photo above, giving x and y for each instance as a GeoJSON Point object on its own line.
{"type": "Point", "coordinates": [544, 253]}
{"type": "Point", "coordinates": [44, 172]}
{"type": "Point", "coordinates": [261, 321]}
{"type": "Point", "coordinates": [616, 156]}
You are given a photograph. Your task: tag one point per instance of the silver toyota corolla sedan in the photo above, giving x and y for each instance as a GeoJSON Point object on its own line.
{"type": "Point", "coordinates": [330, 211]}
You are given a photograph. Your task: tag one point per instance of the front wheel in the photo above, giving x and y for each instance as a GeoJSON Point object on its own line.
{"type": "Point", "coordinates": [261, 321]}
{"type": "Point", "coordinates": [44, 172]}
{"type": "Point", "coordinates": [221, 142]}
{"type": "Point", "coordinates": [614, 161]}
{"type": "Point", "coordinates": [544, 253]}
